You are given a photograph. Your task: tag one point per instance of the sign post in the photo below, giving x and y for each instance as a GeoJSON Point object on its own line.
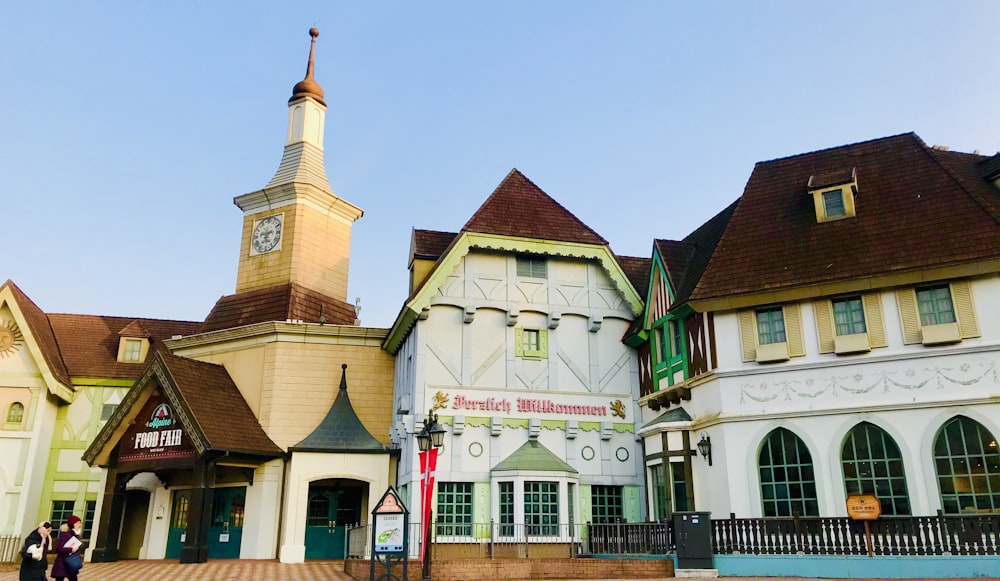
{"type": "Point", "coordinates": [390, 536]}
{"type": "Point", "coordinates": [864, 507]}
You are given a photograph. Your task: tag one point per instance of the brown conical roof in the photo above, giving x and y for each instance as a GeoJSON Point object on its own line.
{"type": "Point", "coordinates": [308, 87]}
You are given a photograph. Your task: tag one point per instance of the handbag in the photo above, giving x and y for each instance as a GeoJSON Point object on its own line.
{"type": "Point", "coordinates": [73, 562]}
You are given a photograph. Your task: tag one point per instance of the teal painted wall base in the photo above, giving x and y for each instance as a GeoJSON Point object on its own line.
{"type": "Point", "coordinates": [853, 567]}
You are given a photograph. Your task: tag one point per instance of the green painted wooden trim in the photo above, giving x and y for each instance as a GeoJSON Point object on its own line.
{"type": "Point", "coordinates": [631, 503]}
{"type": "Point", "coordinates": [553, 424]}
{"type": "Point", "coordinates": [468, 240]}
{"type": "Point", "coordinates": [624, 428]}
{"type": "Point", "coordinates": [586, 503]}
{"type": "Point", "coordinates": [589, 426]}
{"type": "Point", "coordinates": [481, 503]}
{"type": "Point", "coordinates": [515, 423]}
{"type": "Point", "coordinates": [477, 422]}
{"type": "Point", "coordinates": [101, 382]}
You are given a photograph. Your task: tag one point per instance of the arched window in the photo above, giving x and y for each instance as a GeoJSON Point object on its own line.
{"type": "Point", "coordinates": [15, 413]}
{"type": "Point", "coordinates": [787, 483]}
{"type": "Point", "coordinates": [967, 463]}
{"type": "Point", "coordinates": [873, 465]}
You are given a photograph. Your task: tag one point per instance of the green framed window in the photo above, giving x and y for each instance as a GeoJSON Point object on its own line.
{"type": "Point", "coordinates": [61, 510]}
{"type": "Point", "coordinates": [662, 345]}
{"type": "Point", "coordinates": [833, 203]}
{"type": "Point", "coordinates": [108, 410]}
{"type": "Point", "coordinates": [15, 413]}
{"type": "Point", "coordinates": [541, 509]}
{"type": "Point", "coordinates": [935, 305]}
{"type": "Point", "coordinates": [787, 480]}
{"type": "Point", "coordinates": [531, 266]}
{"type": "Point", "coordinates": [454, 509]}
{"type": "Point", "coordinates": [90, 509]}
{"type": "Point", "coordinates": [849, 316]}
{"type": "Point", "coordinates": [967, 464]}
{"type": "Point", "coordinates": [606, 504]}
{"type": "Point", "coordinates": [661, 498]}
{"type": "Point", "coordinates": [770, 325]}
{"type": "Point", "coordinates": [506, 509]}
{"type": "Point", "coordinates": [531, 343]}
{"type": "Point", "coordinates": [872, 464]}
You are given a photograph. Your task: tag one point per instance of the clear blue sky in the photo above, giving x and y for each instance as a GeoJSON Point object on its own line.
{"type": "Point", "coordinates": [126, 129]}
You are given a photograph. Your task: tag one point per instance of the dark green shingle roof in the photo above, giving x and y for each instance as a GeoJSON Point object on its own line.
{"type": "Point", "coordinates": [341, 430]}
{"type": "Point", "coordinates": [671, 415]}
{"type": "Point", "coordinates": [535, 457]}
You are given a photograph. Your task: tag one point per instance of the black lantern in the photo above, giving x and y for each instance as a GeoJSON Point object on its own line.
{"type": "Point", "coordinates": [705, 447]}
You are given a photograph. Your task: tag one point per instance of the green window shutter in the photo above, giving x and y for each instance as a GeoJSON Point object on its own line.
{"type": "Point", "coordinates": [824, 325]}
{"type": "Point", "coordinates": [748, 335]}
{"type": "Point", "coordinates": [961, 294]}
{"type": "Point", "coordinates": [793, 330]}
{"type": "Point", "coordinates": [873, 319]}
{"type": "Point", "coordinates": [543, 344]}
{"type": "Point", "coordinates": [518, 342]}
{"type": "Point", "coordinates": [907, 300]}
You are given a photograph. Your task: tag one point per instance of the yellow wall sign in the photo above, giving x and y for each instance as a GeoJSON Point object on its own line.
{"type": "Point", "coordinates": [863, 507]}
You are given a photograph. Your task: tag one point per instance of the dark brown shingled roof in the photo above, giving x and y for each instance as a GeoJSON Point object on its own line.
{"type": "Point", "coordinates": [89, 343]}
{"type": "Point", "coordinates": [429, 244]}
{"type": "Point", "coordinates": [637, 271]}
{"type": "Point", "coordinates": [520, 208]}
{"type": "Point", "coordinates": [43, 334]}
{"type": "Point", "coordinates": [278, 303]}
{"type": "Point", "coordinates": [914, 211]}
{"type": "Point", "coordinates": [675, 256]}
{"type": "Point", "coordinates": [216, 406]}
{"type": "Point", "coordinates": [704, 240]}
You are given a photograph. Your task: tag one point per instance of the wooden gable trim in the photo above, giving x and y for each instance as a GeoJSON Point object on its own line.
{"type": "Point", "coordinates": [65, 392]}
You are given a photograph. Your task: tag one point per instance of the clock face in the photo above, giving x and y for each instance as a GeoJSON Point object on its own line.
{"type": "Point", "coordinates": [266, 234]}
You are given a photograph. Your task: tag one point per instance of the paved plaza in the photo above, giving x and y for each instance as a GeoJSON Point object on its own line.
{"type": "Point", "coordinates": [246, 570]}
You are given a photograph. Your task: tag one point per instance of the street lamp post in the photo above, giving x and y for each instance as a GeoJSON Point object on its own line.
{"type": "Point", "coordinates": [429, 439]}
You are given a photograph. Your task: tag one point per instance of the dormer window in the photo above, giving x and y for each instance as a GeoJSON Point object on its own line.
{"type": "Point", "coordinates": [529, 266]}
{"type": "Point", "coordinates": [833, 194]}
{"type": "Point", "coordinates": [133, 343]}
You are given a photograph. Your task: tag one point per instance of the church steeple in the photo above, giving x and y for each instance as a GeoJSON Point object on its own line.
{"type": "Point", "coordinates": [296, 230]}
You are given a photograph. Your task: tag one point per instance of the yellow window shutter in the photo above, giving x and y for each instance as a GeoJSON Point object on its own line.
{"type": "Point", "coordinates": [908, 316]}
{"type": "Point", "coordinates": [961, 294]}
{"type": "Point", "coordinates": [793, 330]}
{"type": "Point", "coordinates": [824, 325]}
{"type": "Point", "coordinates": [748, 335]}
{"type": "Point", "coordinates": [873, 319]}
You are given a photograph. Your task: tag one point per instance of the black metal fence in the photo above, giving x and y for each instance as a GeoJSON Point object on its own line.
{"type": "Point", "coordinates": [976, 534]}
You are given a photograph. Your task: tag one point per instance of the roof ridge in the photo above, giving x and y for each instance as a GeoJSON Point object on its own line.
{"type": "Point", "coordinates": [833, 148]}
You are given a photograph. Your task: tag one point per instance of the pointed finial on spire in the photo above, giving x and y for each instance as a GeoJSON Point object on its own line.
{"type": "Point", "coordinates": [343, 372]}
{"type": "Point", "coordinates": [308, 87]}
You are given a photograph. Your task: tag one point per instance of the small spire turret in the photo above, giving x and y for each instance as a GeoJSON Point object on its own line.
{"type": "Point", "coordinates": [308, 87]}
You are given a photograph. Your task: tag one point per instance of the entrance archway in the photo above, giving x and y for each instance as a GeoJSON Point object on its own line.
{"type": "Point", "coordinates": [134, 524]}
{"type": "Point", "coordinates": [334, 505]}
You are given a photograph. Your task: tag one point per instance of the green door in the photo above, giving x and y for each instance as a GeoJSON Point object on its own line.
{"type": "Point", "coordinates": [178, 523]}
{"type": "Point", "coordinates": [331, 511]}
{"type": "Point", "coordinates": [225, 530]}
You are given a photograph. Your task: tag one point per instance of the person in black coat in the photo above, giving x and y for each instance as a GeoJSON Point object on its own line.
{"type": "Point", "coordinates": [36, 547]}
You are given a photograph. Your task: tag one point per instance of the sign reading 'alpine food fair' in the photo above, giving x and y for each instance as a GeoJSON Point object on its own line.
{"type": "Point", "coordinates": [156, 434]}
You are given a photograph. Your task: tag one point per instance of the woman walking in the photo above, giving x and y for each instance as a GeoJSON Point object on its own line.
{"type": "Point", "coordinates": [37, 545]}
{"type": "Point", "coordinates": [68, 546]}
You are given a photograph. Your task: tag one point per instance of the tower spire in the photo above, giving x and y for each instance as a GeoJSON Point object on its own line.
{"type": "Point", "coordinates": [308, 87]}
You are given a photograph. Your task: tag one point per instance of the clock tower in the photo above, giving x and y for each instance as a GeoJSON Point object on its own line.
{"type": "Point", "coordinates": [296, 230]}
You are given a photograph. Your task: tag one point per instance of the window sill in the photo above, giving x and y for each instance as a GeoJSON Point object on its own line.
{"type": "Point", "coordinates": [940, 334]}
{"type": "Point", "coordinates": [856, 343]}
{"type": "Point", "coordinates": [772, 352]}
